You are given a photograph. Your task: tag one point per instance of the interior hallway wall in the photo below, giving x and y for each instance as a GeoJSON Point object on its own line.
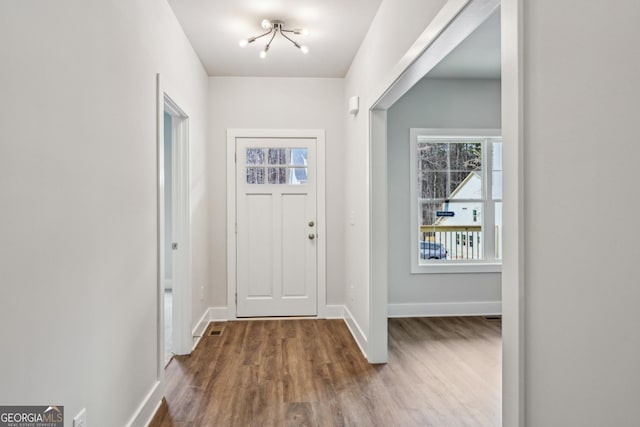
{"type": "Point", "coordinates": [581, 149]}
{"type": "Point", "coordinates": [78, 179]}
{"type": "Point", "coordinates": [443, 104]}
{"type": "Point", "coordinates": [277, 103]}
{"type": "Point", "coordinates": [394, 29]}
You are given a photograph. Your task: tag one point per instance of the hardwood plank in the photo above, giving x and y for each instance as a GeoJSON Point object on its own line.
{"type": "Point", "coordinates": [299, 414]}
{"type": "Point", "coordinates": [309, 372]}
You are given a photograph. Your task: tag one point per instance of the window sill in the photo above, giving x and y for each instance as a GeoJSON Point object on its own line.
{"type": "Point", "coordinates": [439, 267]}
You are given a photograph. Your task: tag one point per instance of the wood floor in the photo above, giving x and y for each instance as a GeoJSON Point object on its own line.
{"type": "Point", "coordinates": [442, 372]}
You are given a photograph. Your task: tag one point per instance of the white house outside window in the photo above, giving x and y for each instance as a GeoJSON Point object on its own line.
{"type": "Point", "coordinates": [456, 204]}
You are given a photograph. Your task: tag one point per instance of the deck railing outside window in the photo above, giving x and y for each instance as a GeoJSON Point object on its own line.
{"type": "Point", "coordinates": [460, 242]}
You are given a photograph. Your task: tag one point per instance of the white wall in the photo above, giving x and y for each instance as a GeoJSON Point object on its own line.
{"type": "Point", "coordinates": [277, 103]}
{"type": "Point", "coordinates": [433, 103]}
{"type": "Point", "coordinates": [396, 26]}
{"type": "Point", "coordinates": [581, 162]}
{"type": "Point", "coordinates": [78, 300]}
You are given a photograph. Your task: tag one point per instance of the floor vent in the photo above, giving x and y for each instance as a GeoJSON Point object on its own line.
{"type": "Point", "coordinates": [215, 332]}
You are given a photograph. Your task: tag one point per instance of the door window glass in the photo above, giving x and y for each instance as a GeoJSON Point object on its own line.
{"type": "Point", "coordinates": [276, 165]}
{"type": "Point", "coordinates": [255, 175]}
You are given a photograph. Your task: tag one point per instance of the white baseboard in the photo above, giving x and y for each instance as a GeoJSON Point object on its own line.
{"type": "Point", "coordinates": [147, 409]}
{"type": "Point", "coordinates": [221, 314]}
{"type": "Point", "coordinates": [199, 329]}
{"type": "Point", "coordinates": [202, 324]}
{"type": "Point", "coordinates": [356, 331]}
{"type": "Point", "coordinates": [441, 309]}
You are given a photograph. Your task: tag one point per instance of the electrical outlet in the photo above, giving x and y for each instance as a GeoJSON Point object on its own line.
{"type": "Point", "coordinates": [80, 420]}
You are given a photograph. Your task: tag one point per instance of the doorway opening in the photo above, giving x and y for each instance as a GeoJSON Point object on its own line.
{"type": "Point", "coordinates": [174, 246]}
{"type": "Point", "coordinates": [445, 131]}
{"type": "Point", "coordinates": [455, 22]}
{"type": "Point", "coordinates": [168, 228]}
{"type": "Point", "coordinates": [444, 222]}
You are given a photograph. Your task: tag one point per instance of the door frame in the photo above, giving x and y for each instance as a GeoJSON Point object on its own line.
{"type": "Point", "coordinates": [181, 229]}
{"type": "Point", "coordinates": [456, 18]}
{"type": "Point", "coordinates": [321, 240]}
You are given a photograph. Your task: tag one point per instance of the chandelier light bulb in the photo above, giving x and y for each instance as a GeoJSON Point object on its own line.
{"type": "Point", "coordinates": [243, 42]}
{"type": "Point", "coordinates": [266, 24]}
{"type": "Point", "coordinates": [304, 49]}
{"type": "Point", "coordinates": [301, 31]}
{"type": "Point", "coordinates": [263, 53]}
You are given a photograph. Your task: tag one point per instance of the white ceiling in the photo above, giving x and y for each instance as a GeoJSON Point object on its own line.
{"type": "Point", "coordinates": [477, 57]}
{"type": "Point", "coordinates": [336, 30]}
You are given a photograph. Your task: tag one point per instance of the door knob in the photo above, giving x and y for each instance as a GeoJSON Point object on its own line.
{"type": "Point", "coordinates": [312, 236]}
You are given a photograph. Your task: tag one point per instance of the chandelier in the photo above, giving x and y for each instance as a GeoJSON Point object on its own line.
{"type": "Point", "coordinates": [274, 28]}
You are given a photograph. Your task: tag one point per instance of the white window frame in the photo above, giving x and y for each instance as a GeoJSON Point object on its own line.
{"type": "Point", "coordinates": [488, 265]}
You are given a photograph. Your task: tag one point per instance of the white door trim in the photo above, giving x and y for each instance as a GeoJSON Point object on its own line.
{"type": "Point", "coordinates": [182, 342]}
{"type": "Point", "coordinates": [160, 231]}
{"type": "Point", "coordinates": [513, 265]}
{"type": "Point", "coordinates": [426, 52]}
{"type": "Point", "coordinates": [181, 229]}
{"type": "Point", "coordinates": [232, 135]}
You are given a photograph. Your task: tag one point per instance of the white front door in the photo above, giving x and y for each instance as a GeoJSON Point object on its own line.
{"type": "Point", "coordinates": [276, 227]}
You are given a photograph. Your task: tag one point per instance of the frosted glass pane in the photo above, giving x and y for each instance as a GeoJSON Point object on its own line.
{"type": "Point", "coordinates": [255, 156]}
{"type": "Point", "coordinates": [255, 175]}
{"type": "Point", "coordinates": [277, 156]}
{"type": "Point", "coordinates": [277, 175]}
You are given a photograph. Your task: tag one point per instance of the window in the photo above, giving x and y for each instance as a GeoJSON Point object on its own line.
{"type": "Point", "coordinates": [276, 166]}
{"type": "Point", "coordinates": [456, 187]}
